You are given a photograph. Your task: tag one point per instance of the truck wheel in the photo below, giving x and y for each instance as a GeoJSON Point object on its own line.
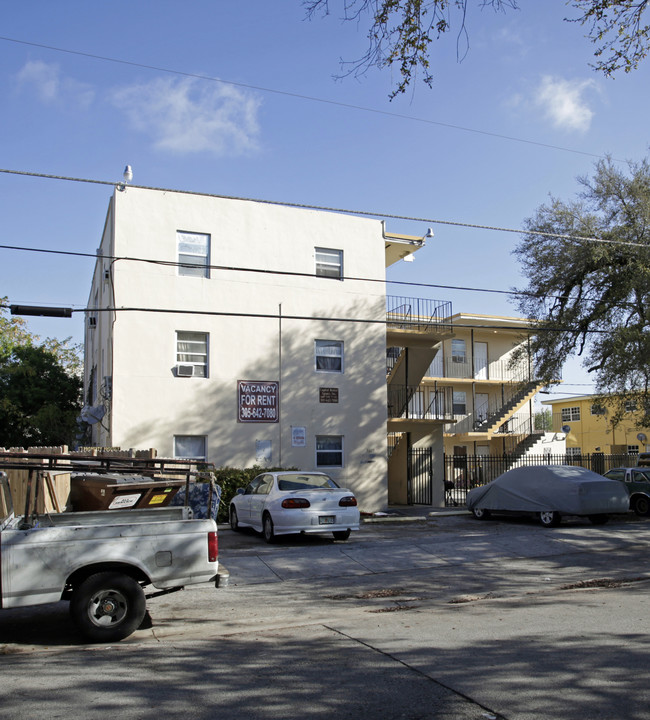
{"type": "Point", "coordinates": [234, 520]}
{"type": "Point", "coordinates": [108, 606]}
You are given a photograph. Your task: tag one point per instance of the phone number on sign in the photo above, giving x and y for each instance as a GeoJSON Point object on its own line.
{"type": "Point", "coordinates": [249, 413]}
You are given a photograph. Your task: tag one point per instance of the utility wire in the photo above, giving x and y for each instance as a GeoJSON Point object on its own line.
{"type": "Point", "coordinates": [342, 211]}
{"type": "Point", "coordinates": [233, 268]}
{"type": "Point", "coordinates": [407, 324]}
{"type": "Point", "coordinates": [288, 273]}
{"type": "Point", "coordinates": [310, 98]}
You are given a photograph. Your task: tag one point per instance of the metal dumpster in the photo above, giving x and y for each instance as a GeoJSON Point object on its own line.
{"type": "Point", "coordinates": [97, 491]}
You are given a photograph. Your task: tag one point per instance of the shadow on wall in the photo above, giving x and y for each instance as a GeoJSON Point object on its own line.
{"type": "Point", "coordinates": [360, 414]}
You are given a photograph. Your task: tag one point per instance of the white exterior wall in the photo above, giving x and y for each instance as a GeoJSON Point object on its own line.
{"type": "Point", "coordinates": [150, 405]}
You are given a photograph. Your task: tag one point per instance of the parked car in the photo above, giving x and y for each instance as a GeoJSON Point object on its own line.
{"type": "Point", "coordinates": [549, 492]}
{"type": "Point", "coordinates": [281, 503]}
{"type": "Point", "coordinates": [637, 483]}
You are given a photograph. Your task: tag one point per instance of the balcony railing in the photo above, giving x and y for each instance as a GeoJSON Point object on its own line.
{"type": "Point", "coordinates": [417, 314]}
{"type": "Point", "coordinates": [420, 402]}
{"type": "Point", "coordinates": [459, 368]}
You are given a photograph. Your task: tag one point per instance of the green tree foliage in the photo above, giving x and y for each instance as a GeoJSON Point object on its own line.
{"type": "Point", "coordinates": [401, 31]}
{"type": "Point", "coordinates": [616, 27]}
{"type": "Point", "coordinates": [591, 298]}
{"type": "Point", "coordinates": [544, 420]}
{"type": "Point", "coordinates": [40, 386]}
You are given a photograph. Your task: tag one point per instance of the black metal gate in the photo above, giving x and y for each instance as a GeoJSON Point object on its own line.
{"type": "Point", "coordinates": [419, 488]}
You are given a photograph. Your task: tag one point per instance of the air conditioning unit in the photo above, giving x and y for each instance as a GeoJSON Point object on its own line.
{"type": "Point", "coordinates": [184, 370]}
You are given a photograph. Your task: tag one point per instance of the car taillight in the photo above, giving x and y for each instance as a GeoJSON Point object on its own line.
{"type": "Point", "coordinates": [348, 501]}
{"type": "Point", "coordinates": [213, 546]}
{"type": "Point", "coordinates": [295, 503]}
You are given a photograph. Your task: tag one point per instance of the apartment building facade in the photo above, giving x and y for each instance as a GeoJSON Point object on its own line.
{"type": "Point", "coordinates": [492, 395]}
{"type": "Point", "coordinates": [243, 333]}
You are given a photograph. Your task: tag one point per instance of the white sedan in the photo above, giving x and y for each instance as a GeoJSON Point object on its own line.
{"type": "Point", "coordinates": [280, 503]}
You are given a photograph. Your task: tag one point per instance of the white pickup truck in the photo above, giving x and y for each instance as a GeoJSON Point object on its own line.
{"type": "Point", "coordinates": [101, 561]}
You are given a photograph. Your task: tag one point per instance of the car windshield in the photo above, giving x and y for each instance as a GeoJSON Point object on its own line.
{"type": "Point", "coordinates": [301, 481]}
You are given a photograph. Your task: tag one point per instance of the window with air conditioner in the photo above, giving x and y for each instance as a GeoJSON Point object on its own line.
{"type": "Point", "coordinates": [191, 354]}
{"type": "Point", "coordinates": [458, 351]}
{"type": "Point", "coordinates": [193, 254]}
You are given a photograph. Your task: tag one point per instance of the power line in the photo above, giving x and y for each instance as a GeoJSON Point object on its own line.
{"type": "Point", "coordinates": [310, 98]}
{"type": "Point", "coordinates": [360, 321]}
{"type": "Point", "coordinates": [342, 211]}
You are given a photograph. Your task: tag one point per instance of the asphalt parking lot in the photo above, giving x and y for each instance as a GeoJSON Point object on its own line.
{"type": "Point", "coordinates": [442, 618]}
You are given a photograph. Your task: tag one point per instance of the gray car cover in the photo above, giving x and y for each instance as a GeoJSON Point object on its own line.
{"type": "Point", "coordinates": [568, 489]}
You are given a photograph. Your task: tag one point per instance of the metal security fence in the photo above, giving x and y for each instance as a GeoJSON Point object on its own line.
{"type": "Point", "coordinates": [464, 472]}
{"type": "Point", "coordinates": [420, 476]}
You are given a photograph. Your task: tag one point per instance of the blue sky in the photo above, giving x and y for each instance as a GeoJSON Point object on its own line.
{"type": "Point", "coordinates": [436, 154]}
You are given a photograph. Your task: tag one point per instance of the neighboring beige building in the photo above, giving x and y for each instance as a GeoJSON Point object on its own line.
{"type": "Point", "coordinates": [253, 350]}
{"type": "Point", "coordinates": [588, 427]}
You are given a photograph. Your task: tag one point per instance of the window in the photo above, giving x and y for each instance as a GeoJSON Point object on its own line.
{"type": "Point", "coordinates": [194, 254]}
{"type": "Point", "coordinates": [573, 452]}
{"type": "Point", "coordinates": [265, 485]}
{"type": "Point", "coordinates": [570, 414]}
{"type": "Point", "coordinates": [459, 403]}
{"type": "Point", "coordinates": [191, 354]}
{"type": "Point", "coordinates": [632, 449]}
{"type": "Point", "coordinates": [329, 355]}
{"type": "Point", "coordinates": [329, 263]}
{"type": "Point", "coordinates": [458, 352]}
{"type": "Point", "coordinates": [598, 409]}
{"type": "Point", "coordinates": [329, 451]}
{"type": "Point", "coordinates": [630, 406]}
{"type": "Point", "coordinates": [192, 447]}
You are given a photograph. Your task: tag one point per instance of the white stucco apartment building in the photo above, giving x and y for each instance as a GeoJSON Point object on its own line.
{"type": "Point", "coordinates": [222, 328]}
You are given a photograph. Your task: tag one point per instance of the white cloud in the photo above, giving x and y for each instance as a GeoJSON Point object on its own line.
{"type": "Point", "coordinates": [191, 116]}
{"type": "Point", "coordinates": [52, 87]}
{"type": "Point", "coordinates": [563, 102]}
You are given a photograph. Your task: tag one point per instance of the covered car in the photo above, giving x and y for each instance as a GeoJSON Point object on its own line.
{"type": "Point", "coordinates": [281, 503]}
{"type": "Point", "coordinates": [550, 491]}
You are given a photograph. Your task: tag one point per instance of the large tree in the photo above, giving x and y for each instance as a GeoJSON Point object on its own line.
{"type": "Point", "coordinates": [40, 386]}
{"type": "Point", "coordinates": [401, 31]}
{"type": "Point", "coordinates": [591, 297]}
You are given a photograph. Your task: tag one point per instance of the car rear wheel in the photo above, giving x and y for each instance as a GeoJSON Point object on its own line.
{"type": "Point", "coordinates": [481, 514]}
{"type": "Point", "coordinates": [598, 519]}
{"type": "Point", "coordinates": [641, 505]}
{"type": "Point", "coordinates": [549, 518]}
{"type": "Point", "coordinates": [341, 534]}
{"type": "Point", "coordinates": [234, 520]}
{"type": "Point", "coordinates": [267, 528]}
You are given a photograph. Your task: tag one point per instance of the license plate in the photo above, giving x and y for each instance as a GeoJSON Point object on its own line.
{"type": "Point", "coordinates": [326, 519]}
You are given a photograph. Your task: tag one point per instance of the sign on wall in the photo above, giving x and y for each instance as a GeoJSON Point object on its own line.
{"type": "Point", "coordinates": [328, 395]}
{"type": "Point", "coordinates": [298, 436]}
{"type": "Point", "coordinates": [257, 401]}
